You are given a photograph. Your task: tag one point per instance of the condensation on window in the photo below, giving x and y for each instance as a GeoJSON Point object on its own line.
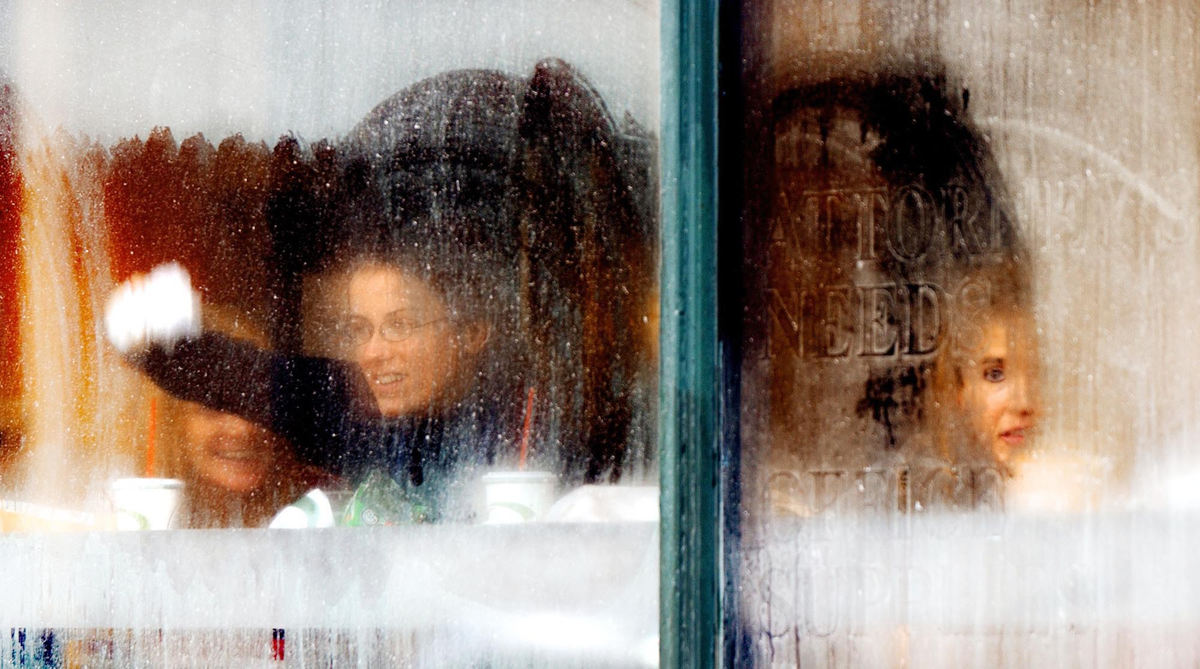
{"type": "Point", "coordinates": [968, 400]}
{"type": "Point", "coordinates": [345, 268]}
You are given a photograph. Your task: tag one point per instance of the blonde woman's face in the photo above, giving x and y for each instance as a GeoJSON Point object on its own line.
{"type": "Point", "coordinates": [226, 451]}
{"type": "Point", "coordinates": [998, 392]}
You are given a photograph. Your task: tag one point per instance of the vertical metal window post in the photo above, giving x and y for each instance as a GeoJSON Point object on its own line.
{"type": "Point", "coordinates": [689, 374]}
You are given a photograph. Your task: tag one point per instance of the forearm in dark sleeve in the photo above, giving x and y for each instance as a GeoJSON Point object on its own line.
{"type": "Point", "coordinates": [327, 411]}
{"type": "Point", "coordinates": [319, 405]}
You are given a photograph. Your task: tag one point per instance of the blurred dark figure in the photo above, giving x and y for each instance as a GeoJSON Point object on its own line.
{"type": "Point", "coordinates": [889, 245]}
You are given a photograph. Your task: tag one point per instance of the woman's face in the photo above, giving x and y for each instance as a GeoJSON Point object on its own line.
{"type": "Point", "coordinates": [399, 332]}
{"type": "Point", "coordinates": [226, 451]}
{"type": "Point", "coordinates": [998, 389]}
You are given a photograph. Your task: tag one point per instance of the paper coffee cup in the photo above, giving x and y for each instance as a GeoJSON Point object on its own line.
{"type": "Point", "coordinates": [145, 503]}
{"type": "Point", "coordinates": [517, 497]}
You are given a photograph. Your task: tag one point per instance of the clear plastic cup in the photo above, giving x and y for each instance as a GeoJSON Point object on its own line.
{"type": "Point", "coordinates": [517, 496]}
{"type": "Point", "coordinates": [145, 503]}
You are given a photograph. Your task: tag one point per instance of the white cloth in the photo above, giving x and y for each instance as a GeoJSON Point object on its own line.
{"type": "Point", "coordinates": [159, 308]}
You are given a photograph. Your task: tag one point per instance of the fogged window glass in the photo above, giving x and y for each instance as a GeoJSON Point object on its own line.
{"type": "Point", "coordinates": [969, 238]}
{"type": "Point", "coordinates": [896, 287]}
{"type": "Point", "coordinates": [329, 265]}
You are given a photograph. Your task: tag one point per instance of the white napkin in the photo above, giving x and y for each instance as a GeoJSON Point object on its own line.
{"type": "Point", "coordinates": [160, 308]}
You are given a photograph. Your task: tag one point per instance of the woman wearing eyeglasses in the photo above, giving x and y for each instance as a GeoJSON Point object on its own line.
{"type": "Point", "coordinates": [426, 335]}
{"type": "Point", "coordinates": [429, 327]}
{"type": "Point", "coordinates": [414, 352]}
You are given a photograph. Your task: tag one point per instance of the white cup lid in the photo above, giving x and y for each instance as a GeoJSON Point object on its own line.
{"type": "Point", "coordinates": [519, 477]}
{"type": "Point", "coordinates": [145, 483]}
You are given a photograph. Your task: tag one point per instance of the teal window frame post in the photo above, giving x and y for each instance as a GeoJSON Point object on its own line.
{"type": "Point", "coordinates": [689, 378]}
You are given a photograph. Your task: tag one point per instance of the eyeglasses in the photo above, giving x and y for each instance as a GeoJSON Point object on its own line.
{"type": "Point", "coordinates": [356, 331]}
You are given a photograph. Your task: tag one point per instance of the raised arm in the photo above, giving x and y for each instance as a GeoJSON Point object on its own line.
{"type": "Point", "coordinates": [323, 407]}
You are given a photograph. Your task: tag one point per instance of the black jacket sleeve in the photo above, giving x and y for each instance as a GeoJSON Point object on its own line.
{"type": "Point", "coordinates": [323, 407]}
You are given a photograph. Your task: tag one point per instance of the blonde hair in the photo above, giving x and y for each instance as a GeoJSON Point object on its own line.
{"type": "Point", "coordinates": [995, 295]}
